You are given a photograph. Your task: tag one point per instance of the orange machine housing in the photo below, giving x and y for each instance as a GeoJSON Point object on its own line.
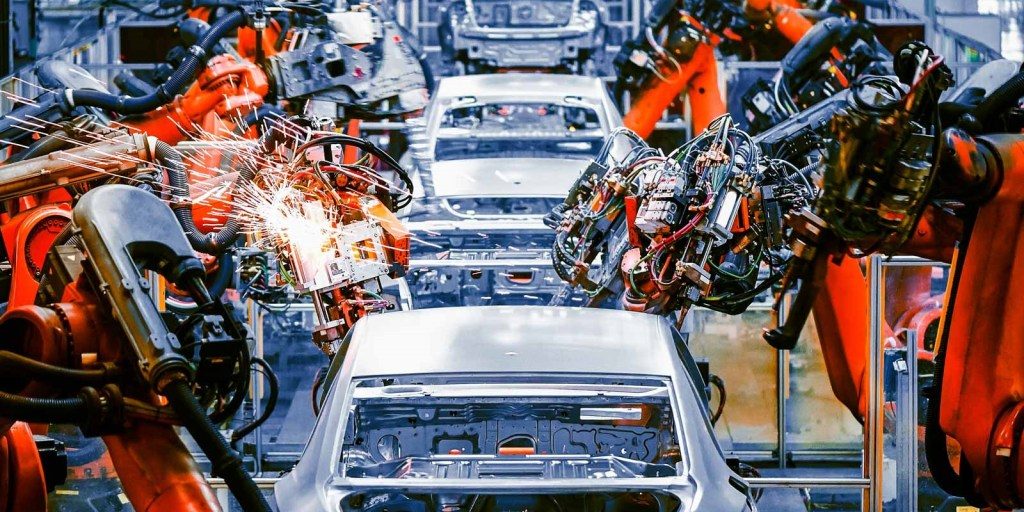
{"type": "Point", "coordinates": [697, 70]}
{"type": "Point", "coordinates": [697, 75]}
{"type": "Point", "coordinates": [154, 466]}
{"type": "Point", "coordinates": [247, 46]}
{"type": "Point", "coordinates": [983, 385]}
{"type": "Point", "coordinates": [981, 334]}
{"type": "Point", "coordinates": [29, 227]}
{"type": "Point", "coordinates": [226, 91]}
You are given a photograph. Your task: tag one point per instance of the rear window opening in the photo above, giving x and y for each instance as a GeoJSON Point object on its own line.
{"type": "Point", "coordinates": [609, 502]}
{"type": "Point", "coordinates": [413, 428]}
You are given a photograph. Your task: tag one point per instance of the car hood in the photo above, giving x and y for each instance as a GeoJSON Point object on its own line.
{"type": "Point", "coordinates": [505, 177]}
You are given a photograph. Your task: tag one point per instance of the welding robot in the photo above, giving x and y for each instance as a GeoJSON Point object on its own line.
{"type": "Point", "coordinates": [669, 274]}
{"type": "Point", "coordinates": [352, 61]}
{"type": "Point", "coordinates": [661, 233]}
{"type": "Point", "coordinates": [331, 223]}
{"type": "Point", "coordinates": [224, 102]}
{"type": "Point", "coordinates": [826, 60]}
{"type": "Point", "coordinates": [227, 99]}
{"type": "Point", "coordinates": [654, 71]}
{"type": "Point", "coordinates": [945, 188]}
{"type": "Point", "coordinates": [96, 349]}
{"type": "Point", "coordinates": [77, 110]}
{"type": "Point", "coordinates": [89, 152]}
{"type": "Point", "coordinates": [100, 355]}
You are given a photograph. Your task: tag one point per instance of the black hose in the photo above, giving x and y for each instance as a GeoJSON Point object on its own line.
{"type": "Point", "coordinates": [213, 243]}
{"type": "Point", "coordinates": [18, 365]}
{"type": "Point", "coordinates": [241, 383]}
{"type": "Point", "coordinates": [274, 385]}
{"type": "Point", "coordinates": [263, 118]}
{"type": "Point", "coordinates": [285, 23]}
{"type": "Point", "coordinates": [226, 463]}
{"type": "Point", "coordinates": [719, 384]}
{"type": "Point", "coordinates": [935, 450]}
{"type": "Point", "coordinates": [1006, 96]}
{"type": "Point", "coordinates": [44, 146]}
{"type": "Point", "coordinates": [369, 147]}
{"type": "Point", "coordinates": [318, 381]}
{"type": "Point", "coordinates": [184, 75]}
{"type": "Point", "coordinates": [43, 410]}
{"type": "Point", "coordinates": [133, 85]}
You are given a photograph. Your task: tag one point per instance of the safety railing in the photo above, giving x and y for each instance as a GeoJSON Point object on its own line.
{"type": "Point", "coordinates": [99, 53]}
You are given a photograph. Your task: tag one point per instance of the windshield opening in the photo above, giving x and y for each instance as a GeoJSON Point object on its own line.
{"type": "Point", "coordinates": [521, 117]}
{"type": "Point", "coordinates": [461, 148]}
{"type": "Point", "coordinates": [522, 13]}
{"type": "Point", "coordinates": [414, 427]}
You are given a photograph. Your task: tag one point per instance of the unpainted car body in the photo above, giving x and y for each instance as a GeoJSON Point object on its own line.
{"type": "Point", "coordinates": [492, 35]}
{"type": "Point", "coordinates": [491, 155]}
{"type": "Point", "coordinates": [513, 408]}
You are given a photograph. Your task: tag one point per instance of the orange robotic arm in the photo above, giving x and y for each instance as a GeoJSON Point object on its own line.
{"type": "Point", "coordinates": [982, 335]}
{"type": "Point", "coordinates": [840, 308]}
{"type": "Point", "coordinates": [687, 64]}
{"type": "Point", "coordinates": [695, 73]}
{"type": "Point", "coordinates": [271, 37]}
{"type": "Point", "coordinates": [124, 354]}
{"type": "Point", "coordinates": [781, 15]}
{"type": "Point", "coordinates": [225, 92]}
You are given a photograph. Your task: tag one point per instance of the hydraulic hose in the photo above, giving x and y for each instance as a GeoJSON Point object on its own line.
{"type": "Point", "coordinates": [998, 102]}
{"type": "Point", "coordinates": [275, 386]}
{"type": "Point", "coordinates": [21, 366]}
{"type": "Point", "coordinates": [263, 118]}
{"type": "Point", "coordinates": [214, 243]}
{"type": "Point", "coordinates": [43, 410]}
{"type": "Point", "coordinates": [226, 462]}
{"type": "Point", "coordinates": [184, 75]}
{"type": "Point", "coordinates": [718, 383]}
{"type": "Point", "coordinates": [133, 85]}
{"type": "Point", "coordinates": [935, 450]}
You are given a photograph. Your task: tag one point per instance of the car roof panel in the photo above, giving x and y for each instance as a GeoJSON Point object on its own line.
{"type": "Point", "coordinates": [512, 339]}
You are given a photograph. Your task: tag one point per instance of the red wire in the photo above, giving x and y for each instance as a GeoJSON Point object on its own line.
{"type": "Point", "coordinates": [913, 88]}
{"type": "Point", "coordinates": [674, 237]}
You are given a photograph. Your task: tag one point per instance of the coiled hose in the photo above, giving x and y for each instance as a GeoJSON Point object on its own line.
{"type": "Point", "coordinates": [226, 462]}
{"type": "Point", "coordinates": [213, 243]}
{"type": "Point", "coordinates": [177, 82]}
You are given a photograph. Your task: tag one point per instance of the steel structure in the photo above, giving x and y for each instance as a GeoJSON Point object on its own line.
{"type": "Point", "coordinates": [99, 53]}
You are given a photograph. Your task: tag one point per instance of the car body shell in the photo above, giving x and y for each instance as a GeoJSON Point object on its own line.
{"type": "Point", "coordinates": [523, 273]}
{"type": "Point", "coordinates": [479, 43]}
{"type": "Point", "coordinates": [544, 341]}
